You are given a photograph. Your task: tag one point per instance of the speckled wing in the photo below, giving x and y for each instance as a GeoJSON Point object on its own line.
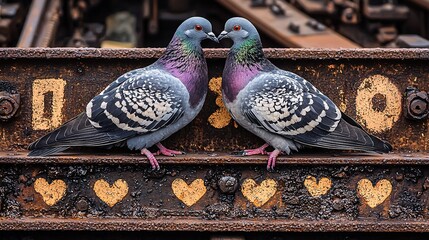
{"type": "Point", "coordinates": [140, 101]}
{"type": "Point", "coordinates": [286, 104]}
{"type": "Point", "coordinates": [144, 103]}
{"type": "Point", "coordinates": [280, 104]}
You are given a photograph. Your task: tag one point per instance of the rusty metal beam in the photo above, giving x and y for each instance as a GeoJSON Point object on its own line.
{"type": "Point", "coordinates": [214, 158]}
{"type": "Point", "coordinates": [40, 224]}
{"type": "Point", "coordinates": [195, 197]}
{"type": "Point", "coordinates": [290, 54]}
{"type": "Point", "coordinates": [210, 190]}
{"type": "Point", "coordinates": [368, 84]}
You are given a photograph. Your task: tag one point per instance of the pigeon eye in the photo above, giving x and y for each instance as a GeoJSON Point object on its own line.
{"type": "Point", "coordinates": [237, 28]}
{"type": "Point", "coordinates": [198, 27]}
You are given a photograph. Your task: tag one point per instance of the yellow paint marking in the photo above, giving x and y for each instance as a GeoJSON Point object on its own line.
{"type": "Point", "coordinates": [51, 193]}
{"type": "Point", "coordinates": [259, 195]}
{"type": "Point", "coordinates": [374, 196]}
{"type": "Point", "coordinates": [220, 118]}
{"type": "Point", "coordinates": [111, 195]}
{"type": "Point", "coordinates": [188, 194]}
{"type": "Point", "coordinates": [343, 103]}
{"type": "Point", "coordinates": [378, 121]}
{"type": "Point", "coordinates": [317, 189]}
{"type": "Point", "coordinates": [40, 88]}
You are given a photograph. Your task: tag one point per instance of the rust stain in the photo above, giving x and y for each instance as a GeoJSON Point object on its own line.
{"type": "Point", "coordinates": [373, 119]}
{"type": "Point", "coordinates": [374, 196]}
{"type": "Point", "coordinates": [51, 193]}
{"type": "Point", "coordinates": [220, 118]}
{"type": "Point", "coordinates": [317, 189]}
{"type": "Point", "coordinates": [188, 194]}
{"type": "Point", "coordinates": [111, 195]}
{"type": "Point", "coordinates": [259, 195]}
{"type": "Point", "coordinates": [343, 103]}
{"type": "Point", "coordinates": [40, 88]}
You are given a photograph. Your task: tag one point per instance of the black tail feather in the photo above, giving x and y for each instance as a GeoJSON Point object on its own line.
{"type": "Point", "coordinates": [78, 132]}
{"type": "Point", "coordinates": [42, 152]}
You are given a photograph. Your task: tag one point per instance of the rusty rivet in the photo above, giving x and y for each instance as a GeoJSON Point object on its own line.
{"type": "Point", "coordinates": [228, 184]}
{"type": "Point", "coordinates": [417, 104]}
{"type": "Point", "coordinates": [82, 205]}
{"type": "Point", "coordinates": [338, 204]}
{"type": "Point", "coordinates": [9, 104]}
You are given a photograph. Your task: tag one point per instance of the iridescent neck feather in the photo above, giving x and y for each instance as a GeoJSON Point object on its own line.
{"type": "Point", "coordinates": [245, 60]}
{"type": "Point", "coordinates": [185, 60]}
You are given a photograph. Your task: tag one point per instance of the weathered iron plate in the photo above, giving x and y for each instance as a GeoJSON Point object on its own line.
{"type": "Point", "coordinates": [314, 191]}
{"type": "Point", "coordinates": [56, 84]}
{"type": "Point", "coordinates": [193, 197]}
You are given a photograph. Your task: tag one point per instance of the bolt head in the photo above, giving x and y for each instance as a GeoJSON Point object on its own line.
{"type": "Point", "coordinates": [228, 184]}
{"type": "Point", "coordinates": [6, 107]}
{"type": "Point", "coordinates": [418, 107]}
{"type": "Point", "coordinates": [82, 205]}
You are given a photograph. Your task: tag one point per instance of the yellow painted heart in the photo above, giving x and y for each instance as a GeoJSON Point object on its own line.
{"type": "Point", "coordinates": [188, 194]}
{"type": "Point", "coordinates": [374, 196]}
{"type": "Point", "coordinates": [259, 195]}
{"type": "Point", "coordinates": [317, 189]}
{"type": "Point", "coordinates": [51, 193]}
{"type": "Point", "coordinates": [111, 195]}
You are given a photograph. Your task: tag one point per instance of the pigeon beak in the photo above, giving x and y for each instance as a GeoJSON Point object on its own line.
{"type": "Point", "coordinates": [222, 35]}
{"type": "Point", "coordinates": [212, 37]}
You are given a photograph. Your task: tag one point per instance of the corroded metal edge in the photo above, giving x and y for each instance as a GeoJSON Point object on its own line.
{"type": "Point", "coordinates": [223, 158]}
{"type": "Point", "coordinates": [139, 53]}
{"type": "Point", "coordinates": [270, 225]}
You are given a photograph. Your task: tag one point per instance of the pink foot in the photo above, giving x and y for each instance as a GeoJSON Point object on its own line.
{"type": "Point", "coordinates": [256, 151]}
{"type": "Point", "coordinates": [272, 159]}
{"type": "Point", "coordinates": [151, 158]}
{"type": "Point", "coordinates": [167, 152]}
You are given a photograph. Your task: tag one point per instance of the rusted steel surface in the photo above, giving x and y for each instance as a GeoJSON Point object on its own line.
{"type": "Point", "coordinates": [213, 158]}
{"type": "Point", "coordinates": [120, 235]}
{"type": "Point", "coordinates": [209, 189]}
{"type": "Point", "coordinates": [221, 197]}
{"type": "Point", "coordinates": [369, 85]}
{"type": "Point", "coordinates": [40, 224]}
{"type": "Point", "coordinates": [274, 53]}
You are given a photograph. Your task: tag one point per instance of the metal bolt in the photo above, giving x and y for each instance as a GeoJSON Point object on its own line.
{"type": "Point", "coordinates": [417, 104]}
{"type": "Point", "coordinates": [228, 184]}
{"type": "Point", "coordinates": [338, 204]}
{"type": "Point", "coordinates": [9, 104]}
{"type": "Point", "coordinates": [294, 27]}
{"type": "Point", "coordinates": [82, 205]}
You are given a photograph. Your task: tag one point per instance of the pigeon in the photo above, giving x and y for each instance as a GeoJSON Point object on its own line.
{"type": "Point", "coordinates": [280, 107]}
{"type": "Point", "coordinates": [143, 106]}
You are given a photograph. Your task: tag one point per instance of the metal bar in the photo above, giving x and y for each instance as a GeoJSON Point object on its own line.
{"type": "Point", "coordinates": [214, 158]}
{"type": "Point", "coordinates": [290, 54]}
{"type": "Point", "coordinates": [41, 24]}
{"type": "Point", "coordinates": [32, 23]}
{"type": "Point", "coordinates": [40, 224]}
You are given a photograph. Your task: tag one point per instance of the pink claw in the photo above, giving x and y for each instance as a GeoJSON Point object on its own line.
{"type": "Point", "coordinates": [256, 151]}
{"type": "Point", "coordinates": [167, 152]}
{"type": "Point", "coordinates": [272, 159]}
{"type": "Point", "coordinates": [151, 158]}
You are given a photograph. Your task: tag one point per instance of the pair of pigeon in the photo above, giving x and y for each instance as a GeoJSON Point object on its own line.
{"type": "Point", "coordinates": [147, 105]}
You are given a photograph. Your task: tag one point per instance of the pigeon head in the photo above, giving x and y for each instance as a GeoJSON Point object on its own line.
{"type": "Point", "coordinates": [196, 29]}
{"type": "Point", "coordinates": [239, 30]}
